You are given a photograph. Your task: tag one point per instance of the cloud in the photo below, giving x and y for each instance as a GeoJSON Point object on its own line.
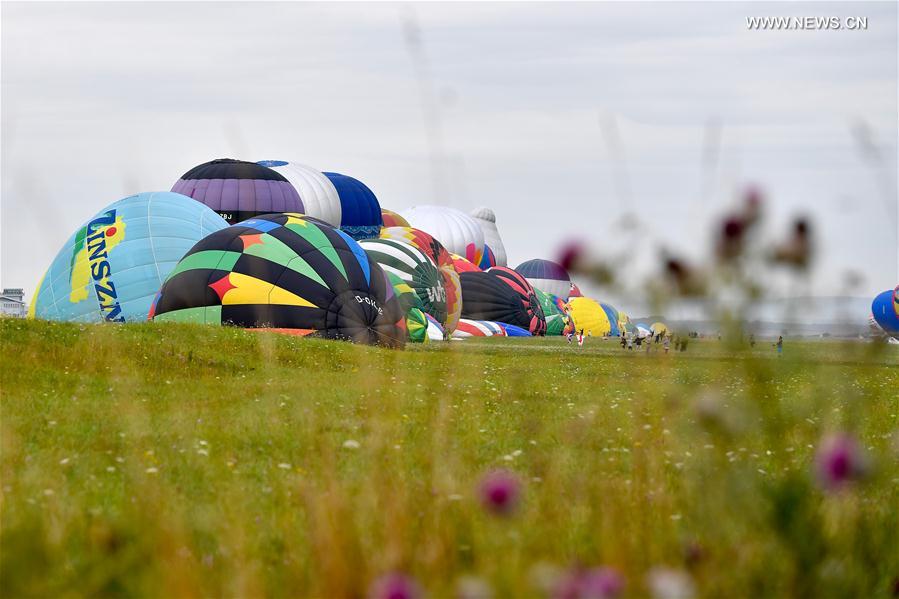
{"type": "Point", "coordinates": [107, 99]}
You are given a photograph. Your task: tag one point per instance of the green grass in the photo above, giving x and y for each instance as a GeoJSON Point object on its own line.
{"type": "Point", "coordinates": [168, 460]}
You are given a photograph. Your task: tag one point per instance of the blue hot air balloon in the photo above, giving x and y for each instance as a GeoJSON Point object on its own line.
{"type": "Point", "coordinates": [885, 309]}
{"type": "Point", "coordinates": [612, 313]}
{"type": "Point", "coordinates": [515, 331]}
{"type": "Point", "coordinates": [360, 212]}
{"type": "Point", "coordinates": [111, 267]}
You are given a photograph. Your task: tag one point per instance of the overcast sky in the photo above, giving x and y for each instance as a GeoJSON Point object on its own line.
{"type": "Point", "coordinates": [561, 117]}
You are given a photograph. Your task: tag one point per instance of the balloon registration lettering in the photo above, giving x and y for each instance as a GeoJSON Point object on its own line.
{"type": "Point", "coordinates": [370, 302]}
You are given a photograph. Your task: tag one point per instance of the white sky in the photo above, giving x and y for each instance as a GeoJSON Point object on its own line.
{"type": "Point", "coordinates": [100, 101]}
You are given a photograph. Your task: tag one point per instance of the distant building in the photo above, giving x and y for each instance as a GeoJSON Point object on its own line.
{"type": "Point", "coordinates": [11, 303]}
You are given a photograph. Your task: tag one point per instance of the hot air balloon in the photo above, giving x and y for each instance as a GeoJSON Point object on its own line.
{"type": "Point", "coordinates": [659, 328]}
{"type": "Point", "coordinates": [488, 260]}
{"type": "Point", "coordinates": [546, 276]}
{"type": "Point", "coordinates": [360, 212]}
{"type": "Point", "coordinates": [514, 331]}
{"type": "Point", "coordinates": [415, 322]}
{"type": "Point", "coordinates": [561, 304]}
{"type": "Point", "coordinates": [612, 314]}
{"type": "Point", "coordinates": [555, 316]}
{"type": "Point", "coordinates": [283, 271]}
{"type": "Point", "coordinates": [416, 326]}
{"type": "Point", "coordinates": [318, 194]}
{"type": "Point", "coordinates": [112, 266]}
{"type": "Point", "coordinates": [486, 219]}
{"type": "Point", "coordinates": [389, 218]}
{"type": "Point", "coordinates": [643, 330]}
{"type": "Point", "coordinates": [574, 291]}
{"type": "Point", "coordinates": [435, 329]}
{"type": "Point", "coordinates": [238, 190]}
{"type": "Point", "coordinates": [501, 294]}
{"type": "Point", "coordinates": [885, 309]}
{"type": "Point", "coordinates": [436, 252]}
{"type": "Point", "coordinates": [458, 232]}
{"type": "Point", "coordinates": [547, 302]}
{"type": "Point", "coordinates": [462, 265]}
{"type": "Point", "coordinates": [478, 328]}
{"type": "Point", "coordinates": [414, 268]}
{"type": "Point", "coordinates": [555, 325]}
{"type": "Point", "coordinates": [588, 315]}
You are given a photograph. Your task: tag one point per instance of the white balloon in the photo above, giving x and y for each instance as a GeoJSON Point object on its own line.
{"type": "Point", "coordinates": [453, 228]}
{"type": "Point", "coordinates": [319, 195]}
{"type": "Point", "coordinates": [487, 220]}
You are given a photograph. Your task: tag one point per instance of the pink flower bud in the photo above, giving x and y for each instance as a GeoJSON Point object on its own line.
{"type": "Point", "coordinates": [839, 461]}
{"type": "Point", "coordinates": [394, 586]}
{"type": "Point", "coordinates": [500, 491]}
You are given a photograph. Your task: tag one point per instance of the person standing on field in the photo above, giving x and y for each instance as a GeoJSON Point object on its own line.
{"type": "Point", "coordinates": [780, 346]}
{"type": "Point", "coordinates": [666, 343]}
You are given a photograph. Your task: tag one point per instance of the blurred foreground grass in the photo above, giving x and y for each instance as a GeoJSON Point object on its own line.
{"type": "Point", "coordinates": [189, 461]}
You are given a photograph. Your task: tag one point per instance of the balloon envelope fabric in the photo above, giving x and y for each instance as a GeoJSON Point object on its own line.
{"type": "Point", "coordinates": [514, 331]}
{"type": "Point", "coordinates": [389, 218]}
{"type": "Point", "coordinates": [413, 267]}
{"type": "Point", "coordinates": [111, 267]}
{"type": "Point", "coordinates": [555, 324]}
{"type": "Point", "coordinates": [885, 309]}
{"type": "Point", "coordinates": [435, 329]}
{"type": "Point", "coordinates": [501, 294]}
{"type": "Point", "coordinates": [285, 271]}
{"type": "Point", "coordinates": [612, 315]}
{"type": "Point", "coordinates": [478, 328]}
{"type": "Point", "coordinates": [488, 259]}
{"type": "Point", "coordinates": [547, 276]}
{"type": "Point", "coordinates": [417, 326]}
{"type": "Point", "coordinates": [486, 218]}
{"type": "Point", "coordinates": [588, 316]}
{"type": "Point", "coordinates": [238, 190]}
{"type": "Point", "coordinates": [434, 250]}
{"type": "Point", "coordinates": [318, 194]}
{"type": "Point", "coordinates": [462, 265]}
{"type": "Point", "coordinates": [360, 212]}
{"type": "Point", "coordinates": [458, 232]}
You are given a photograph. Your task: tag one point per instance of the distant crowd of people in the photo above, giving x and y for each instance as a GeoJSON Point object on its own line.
{"type": "Point", "coordinates": [632, 341]}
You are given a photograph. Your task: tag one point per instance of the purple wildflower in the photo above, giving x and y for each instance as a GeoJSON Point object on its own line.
{"type": "Point", "coordinates": [394, 586]}
{"type": "Point", "coordinates": [839, 461]}
{"type": "Point", "coordinates": [602, 583]}
{"type": "Point", "coordinates": [597, 583]}
{"type": "Point", "coordinates": [500, 491]}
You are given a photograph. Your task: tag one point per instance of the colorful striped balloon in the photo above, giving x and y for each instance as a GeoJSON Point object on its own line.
{"type": "Point", "coordinates": [478, 328]}
{"type": "Point", "coordinates": [501, 294]}
{"type": "Point", "coordinates": [438, 254]}
{"type": "Point", "coordinates": [284, 271]}
{"type": "Point", "coordinates": [414, 268]}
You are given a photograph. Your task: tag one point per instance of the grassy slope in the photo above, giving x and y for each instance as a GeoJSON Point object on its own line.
{"type": "Point", "coordinates": [178, 460]}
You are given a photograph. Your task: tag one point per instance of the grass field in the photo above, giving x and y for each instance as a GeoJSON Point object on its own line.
{"type": "Point", "coordinates": [163, 461]}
